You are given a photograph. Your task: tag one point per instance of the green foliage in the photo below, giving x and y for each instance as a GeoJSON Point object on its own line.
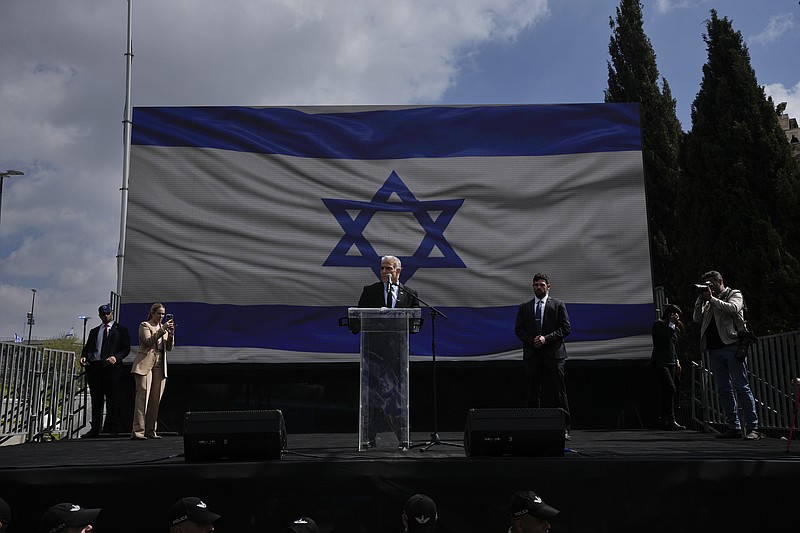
{"type": "Point", "coordinates": [64, 343]}
{"type": "Point", "coordinates": [633, 77]}
{"type": "Point", "coordinates": [67, 344]}
{"type": "Point", "coordinates": [739, 189]}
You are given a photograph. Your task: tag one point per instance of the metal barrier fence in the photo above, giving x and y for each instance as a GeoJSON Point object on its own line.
{"type": "Point", "coordinates": [43, 395]}
{"type": "Point", "coordinates": [773, 362]}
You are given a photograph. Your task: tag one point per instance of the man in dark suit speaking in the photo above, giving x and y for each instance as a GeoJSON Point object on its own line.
{"type": "Point", "coordinates": [542, 324]}
{"type": "Point", "coordinates": [388, 292]}
{"type": "Point", "coordinates": [384, 348]}
{"type": "Point", "coordinates": [107, 345]}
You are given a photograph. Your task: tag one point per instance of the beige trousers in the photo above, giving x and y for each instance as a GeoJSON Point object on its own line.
{"type": "Point", "coordinates": [149, 389]}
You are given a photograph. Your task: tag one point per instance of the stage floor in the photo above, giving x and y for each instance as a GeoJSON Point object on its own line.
{"type": "Point", "coordinates": [638, 480]}
{"type": "Point", "coordinates": [640, 444]}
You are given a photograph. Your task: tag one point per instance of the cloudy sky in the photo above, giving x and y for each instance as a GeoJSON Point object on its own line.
{"type": "Point", "coordinates": [62, 84]}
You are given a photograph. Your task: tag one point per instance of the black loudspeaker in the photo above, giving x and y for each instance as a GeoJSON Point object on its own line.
{"type": "Point", "coordinates": [515, 432]}
{"type": "Point", "coordinates": [233, 435]}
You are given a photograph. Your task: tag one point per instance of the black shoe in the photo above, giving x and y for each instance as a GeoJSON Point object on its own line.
{"type": "Point", "coordinates": [90, 435]}
{"type": "Point", "coordinates": [138, 438]}
{"type": "Point", "coordinates": [730, 434]}
{"type": "Point", "coordinates": [673, 426]}
{"type": "Point", "coordinates": [754, 435]}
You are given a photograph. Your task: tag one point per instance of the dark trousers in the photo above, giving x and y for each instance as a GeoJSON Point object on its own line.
{"type": "Point", "coordinates": [546, 384]}
{"type": "Point", "coordinates": [103, 381]}
{"type": "Point", "coordinates": [667, 377]}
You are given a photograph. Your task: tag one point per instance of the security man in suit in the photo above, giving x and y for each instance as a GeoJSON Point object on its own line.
{"type": "Point", "coordinates": [108, 344]}
{"type": "Point", "coordinates": [542, 324]}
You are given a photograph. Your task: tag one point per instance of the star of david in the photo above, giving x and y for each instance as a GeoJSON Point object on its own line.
{"type": "Point", "coordinates": [421, 258]}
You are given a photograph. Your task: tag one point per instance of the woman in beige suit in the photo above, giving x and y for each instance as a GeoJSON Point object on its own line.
{"type": "Point", "coordinates": [150, 371]}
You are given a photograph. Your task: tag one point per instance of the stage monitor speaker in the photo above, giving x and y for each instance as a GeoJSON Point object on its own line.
{"type": "Point", "coordinates": [233, 435]}
{"type": "Point", "coordinates": [515, 432]}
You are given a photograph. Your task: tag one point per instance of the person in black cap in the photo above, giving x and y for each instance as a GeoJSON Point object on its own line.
{"type": "Point", "coordinates": [191, 515]}
{"type": "Point", "coordinates": [5, 516]}
{"type": "Point", "coordinates": [419, 515]}
{"type": "Point", "coordinates": [107, 345]}
{"type": "Point", "coordinates": [67, 518]}
{"type": "Point", "coordinates": [665, 363]}
{"type": "Point", "coordinates": [303, 525]}
{"type": "Point", "coordinates": [529, 514]}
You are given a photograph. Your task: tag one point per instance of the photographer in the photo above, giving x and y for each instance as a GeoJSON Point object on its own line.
{"type": "Point", "coordinates": [720, 311]}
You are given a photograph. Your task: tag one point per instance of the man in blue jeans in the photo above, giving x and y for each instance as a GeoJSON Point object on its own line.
{"type": "Point", "coordinates": [720, 312]}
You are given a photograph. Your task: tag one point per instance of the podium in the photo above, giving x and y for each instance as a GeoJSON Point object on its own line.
{"type": "Point", "coordinates": [383, 391]}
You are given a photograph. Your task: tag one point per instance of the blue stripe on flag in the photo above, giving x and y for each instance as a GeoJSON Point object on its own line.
{"type": "Point", "coordinates": [426, 132]}
{"type": "Point", "coordinates": [467, 332]}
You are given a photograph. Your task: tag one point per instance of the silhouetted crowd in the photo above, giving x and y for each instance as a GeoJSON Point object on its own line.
{"type": "Point", "coordinates": [528, 513]}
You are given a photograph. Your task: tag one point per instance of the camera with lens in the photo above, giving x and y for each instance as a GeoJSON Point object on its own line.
{"type": "Point", "coordinates": [702, 287]}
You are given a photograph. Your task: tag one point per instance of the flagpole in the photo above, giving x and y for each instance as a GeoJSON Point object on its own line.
{"type": "Point", "coordinates": [126, 159]}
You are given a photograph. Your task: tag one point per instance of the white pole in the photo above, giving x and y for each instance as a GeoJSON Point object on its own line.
{"type": "Point", "coordinates": [126, 160]}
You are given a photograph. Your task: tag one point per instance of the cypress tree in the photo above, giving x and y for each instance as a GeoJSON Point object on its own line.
{"type": "Point", "coordinates": [633, 77]}
{"type": "Point", "coordinates": [738, 202]}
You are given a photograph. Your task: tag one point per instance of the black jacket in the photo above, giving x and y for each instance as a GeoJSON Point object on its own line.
{"type": "Point", "coordinates": [555, 327]}
{"type": "Point", "coordinates": [118, 344]}
{"type": "Point", "coordinates": [374, 296]}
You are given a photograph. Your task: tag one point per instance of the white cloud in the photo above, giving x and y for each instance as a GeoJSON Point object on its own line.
{"type": "Point", "coordinates": [350, 51]}
{"type": "Point", "coordinates": [776, 27]}
{"type": "Point", "coordinates": [31, 96]}
{"type": "Point", "coordinates": [665, 6]}
{"type": "Point", "coordinates": [790, 95]}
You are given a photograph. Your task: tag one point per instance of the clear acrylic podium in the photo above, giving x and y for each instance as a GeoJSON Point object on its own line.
{"type": "Point", "coordinates": [383, 405]}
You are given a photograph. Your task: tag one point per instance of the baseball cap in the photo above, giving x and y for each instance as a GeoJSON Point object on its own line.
{"type": "Point", "coordinates": [191, 508]}
{"type": "Point", "coordinates": [5, 512]}
{"type": "Point", "coordinates": [527, 502]}
{"type": "Point", "coordinates": [104, 309]}
{"type": "Point", "coordinates": [66, 515]}
{"type": "Point", "coordinates": [420, 513]}
{"type": "Point", "coordinates": [303, 525]}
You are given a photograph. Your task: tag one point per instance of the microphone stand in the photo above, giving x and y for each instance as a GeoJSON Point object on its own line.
{"type": "Point", "coordinates": [435, 435]}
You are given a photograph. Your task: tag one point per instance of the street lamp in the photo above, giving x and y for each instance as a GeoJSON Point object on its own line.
{"type": "Point", "coordinates": [3, 176]}
{"type": "Point", "coordinates": [85, 320]}
{"type": "Point", "coordinates": [30, 316]}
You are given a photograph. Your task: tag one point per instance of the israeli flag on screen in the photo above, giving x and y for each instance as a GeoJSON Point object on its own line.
{"type": "Point", "coordinates": [258, 227]}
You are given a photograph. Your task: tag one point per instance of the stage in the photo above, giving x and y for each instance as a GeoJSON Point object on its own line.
{"type": "Point", "coordinates": [635, 480]}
